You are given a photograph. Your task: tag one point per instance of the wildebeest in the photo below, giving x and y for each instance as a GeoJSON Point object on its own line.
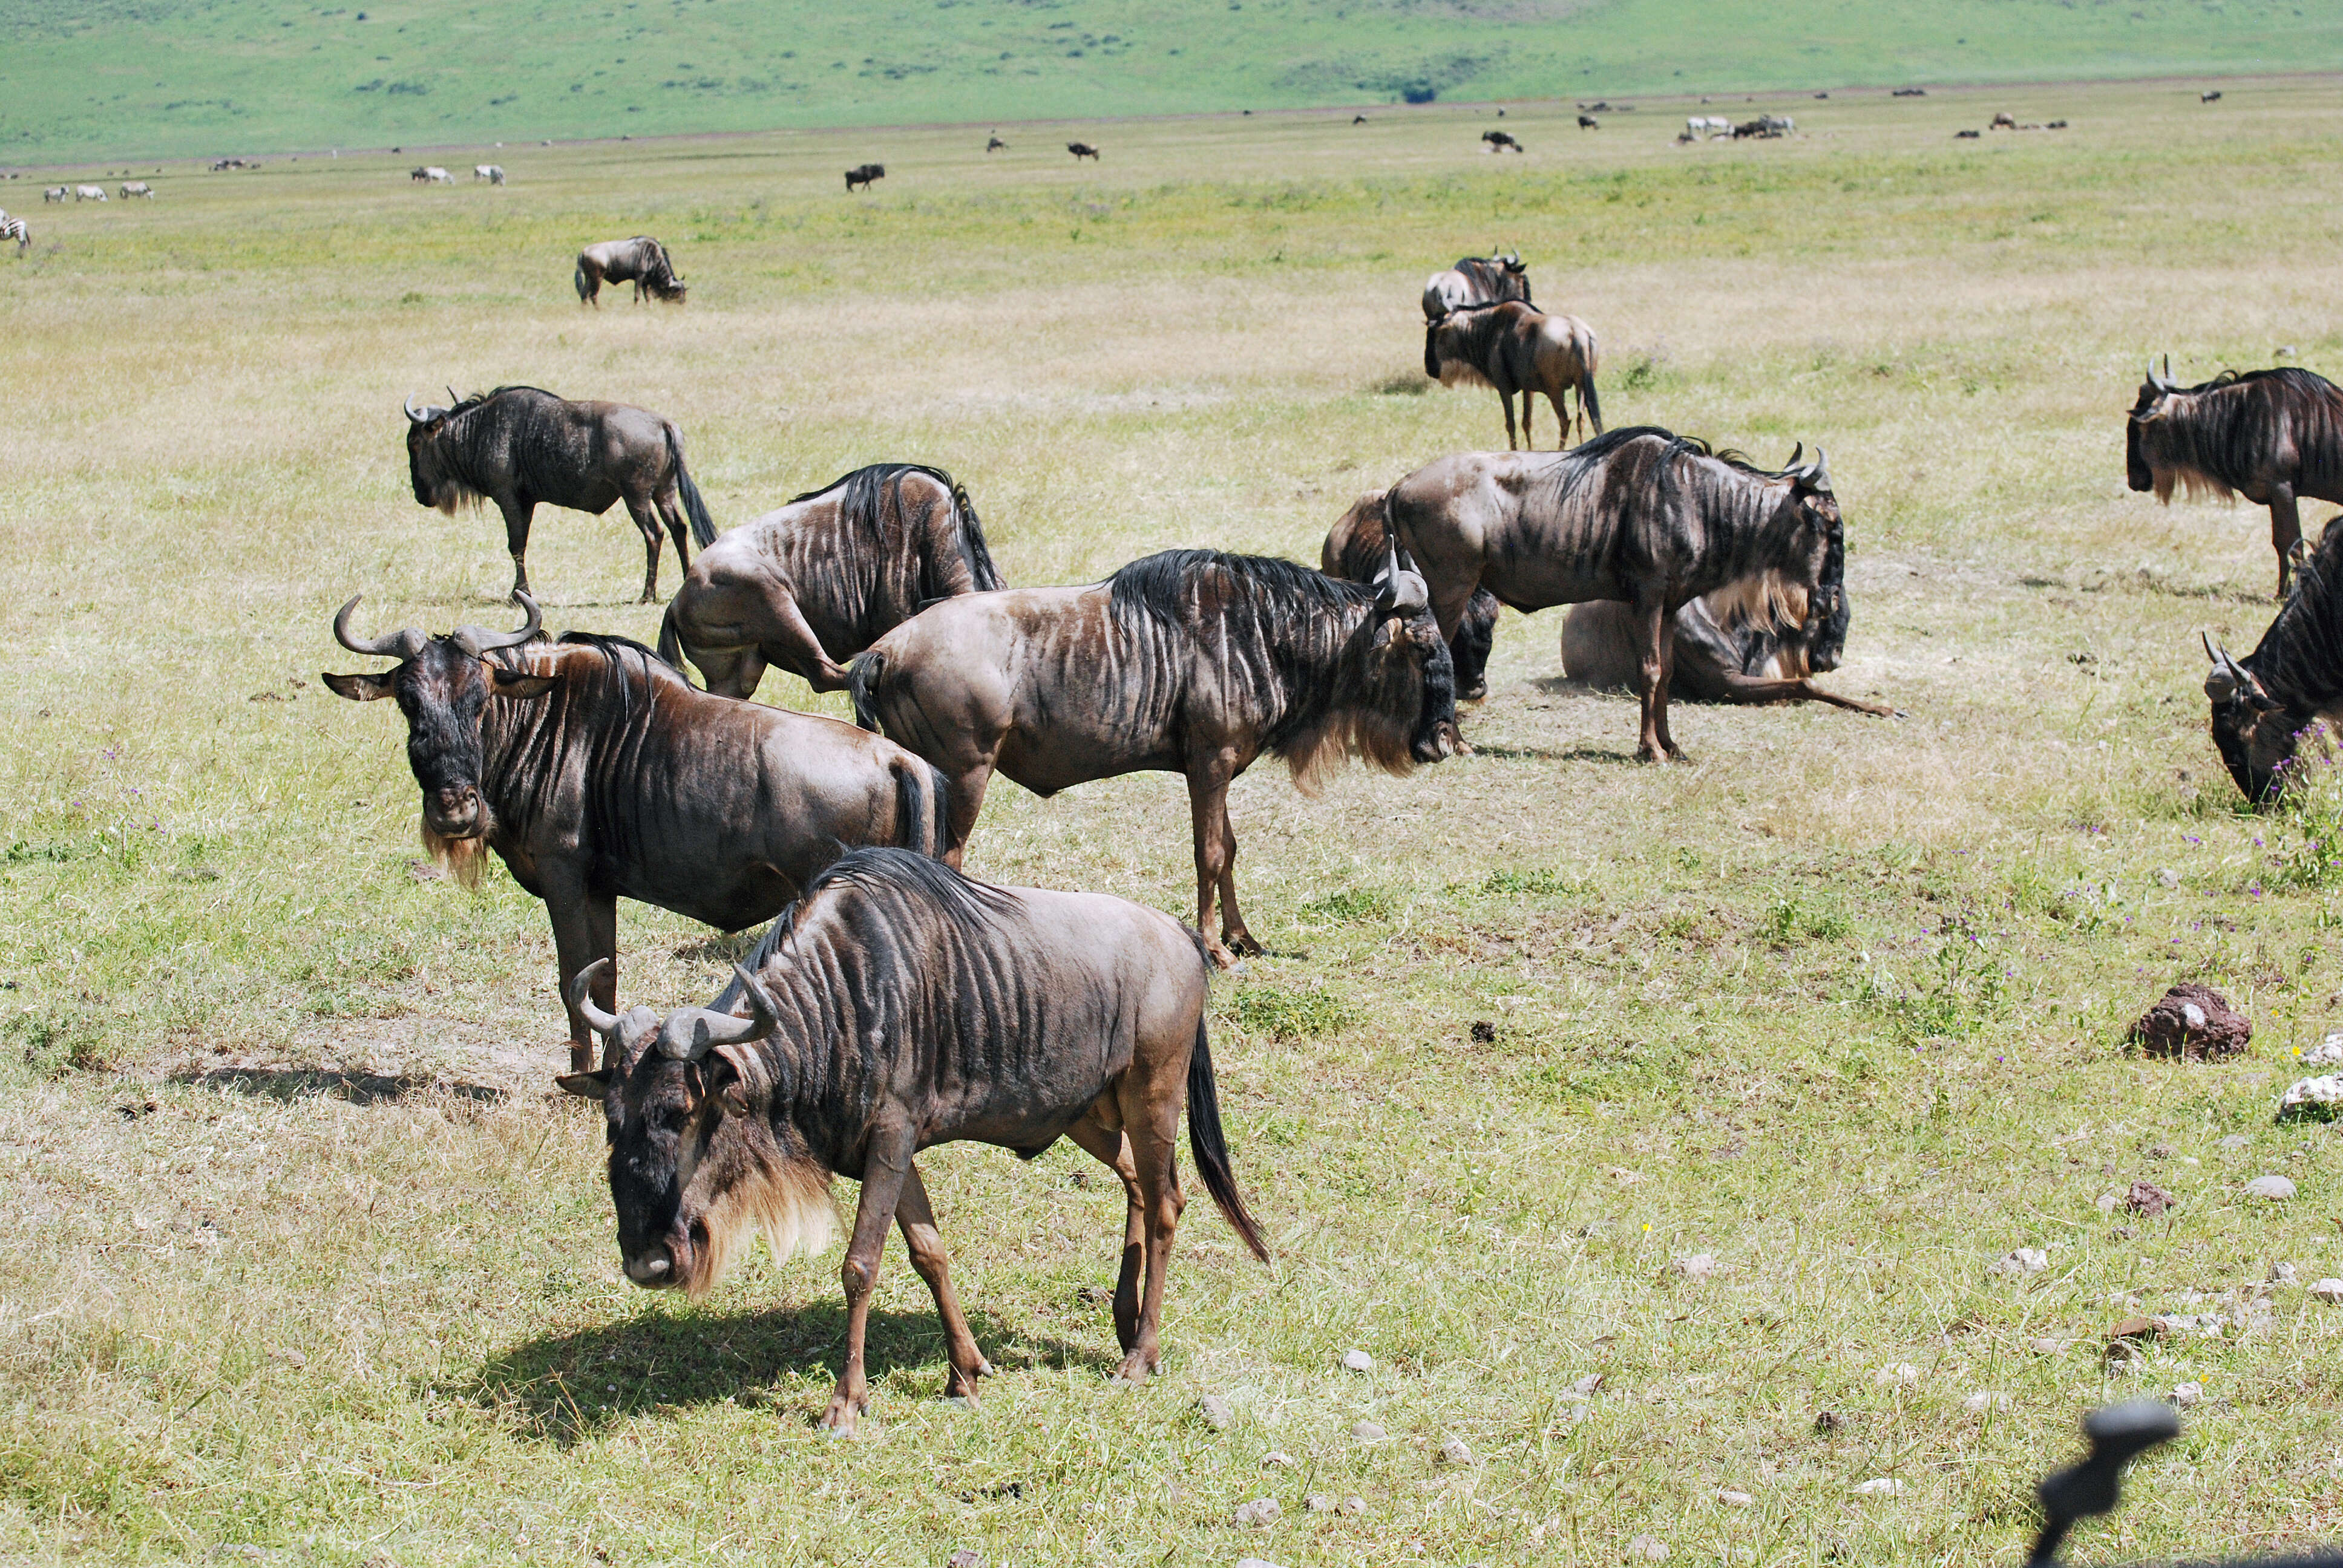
{"type": "Point", "coordinates": [594, 770]}
{"type": "Point", "coordinates": [2292, 680]}
{"type": "Point", "coordinates": [1909, 93]}
{"type": "Point", "coordinates": [1516, 347]}
{"type": "Point", "coordinates": [1752, 642]}
{"type": "Point", "coordinates": [15, 229]}
{"type": "Point", "coordinates": [137, 188]}
{"type": "Point", "coordinates": [641, 261]}
{"type": "Point", "coordinates": [1589, 123]}
{"type": "Point", "coordinates": [2274, 437]}
{"type": "Point", "coordinates": [1081, 150]}
{"type": "Point", "coordinates": [492, 173]}
{"type": "Point", "coordinates": [1967, 136]}
{"type": "Point", "coordinates": [863, 173]}
{"type": "Point", "coordinates": [2212, 97]}
{"type": "Point", "coordinates": [1189, 661]}
{"type": "Point", "coordinates": [89, 193]}
{"type": "Point", "coordinates": [1498, 141]}
{"type": "Point", "coordinates": [54, 193]}
{"type": "Point", "coordinates": [521, 446]}
{"type": "Point", "coordinates": [993, 144]}
{"type": "Point", "coordinates": [2004, 121]}
{"type": "Point", "coordinates": [825, 577]}
{"type": "Point", "coordinates": [1640, 515]}
{"type": "Point", "coordinates": [1476, 280]}
{"type": "Point", "coordinates": [1765, 125]}
{"type": "Point", "coordinates": [1359, 546]}
{"type": "Point", "coordinates": [899, 1006]}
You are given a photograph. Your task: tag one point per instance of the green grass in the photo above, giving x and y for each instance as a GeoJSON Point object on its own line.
{"type": "Point", "coordinates": [176, 78]}
{"type": "Point", "coordinates": [309, 1264]}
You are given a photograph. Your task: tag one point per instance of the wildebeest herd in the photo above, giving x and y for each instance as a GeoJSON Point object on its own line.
{"type": "Point", "coordinates": [896, 1003]}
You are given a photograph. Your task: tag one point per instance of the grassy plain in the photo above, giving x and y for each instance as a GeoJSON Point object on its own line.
{"type": "Point", "coordinates": [123, 78]}
{"type": "Point", "coordinates": [308, 1264]}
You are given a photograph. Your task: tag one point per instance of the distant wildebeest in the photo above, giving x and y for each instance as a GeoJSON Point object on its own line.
{"type": "Point", "coordinates": [520, 445]}
{"type": "Point", "coordinates": [2004, 122]}
{"type": "Point", "coordinates": [2293, 679]}
{"type": "Point", "coordinates": [1909, 93]}
{"type": "Point", "coordinates": [2212, 97]}
{"type": "Point", "coordinates": [492, 173]}
{"type": "Point", "coordinates": [1498, 141]}
{"type": "Point", "coordinates": [1589, 123]}
{"type": "Point", "coordinates": [1752, 642]}
{"type": "Point", "coordinates": [55, 193]}
{"type": "Point", "coordinates": [1515, 348]}
{"type": "Point", "coordinates": [863, 173]}
{"type": "Point", "coordinates": [897, 1007]}
{"type": "Point", "coordinates": [1358, 119]}
{"type": "Point", "coordinates": [1764, 126]}
{"type": "Point", "coordinates": [1968, 136]}
{"type": "Point", "coordinates": [594, 770]}
{"type": "Point", "coordinates": [641, 261]}
{"type": "Point", "coordinates": [224, 164]}
{"type": "Point", "coordinates": [137, 188]}
{"type": "Point", "coordinates": [1476, 280]}
{"type": "Point", "coordinates": [1190, 662]}
{"type": "Point", "coordinates": [1640, 515]}
{"type": "Point", "coordinates": [825, 577]}
{"type": "Point", "coordinates": [1359, 546]}
{"type": "Point", "coordinates": [15, 229]}
{"type": "Point", "coordinates": [1081, 150]}
{"type": "Point", "coordinates": [89, 193]}
{"type": "Point", "coordinates": [993, 144]}
{"type": "Point", "coordinates": [2274, 437]}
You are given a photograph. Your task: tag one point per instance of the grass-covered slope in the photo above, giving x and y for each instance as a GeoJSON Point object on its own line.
{"type": "Point", "coordinates": [117, 77]}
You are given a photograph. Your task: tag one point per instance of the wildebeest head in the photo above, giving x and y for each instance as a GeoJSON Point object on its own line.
{"type": "Point", "coordinates": [1821, 537]}
{"type": "Point", "coordinates": [2254, 731]}
{"type": "Point", "coordinates": [2143, 429]}
{"type": "Point", "coordinates": [698, 1165]}
{"type": "Point", "coordinates": [444, 686]}
{"type": "Point", "coordinates": [429, 466]}
{"type": "Point", "coordinates": [1410, 652]}
{"type": "Point", "coordinates": [1824, 629]}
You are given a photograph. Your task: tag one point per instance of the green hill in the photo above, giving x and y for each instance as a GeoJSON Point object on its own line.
{"type": "Point", "coordinates": [93, 78]}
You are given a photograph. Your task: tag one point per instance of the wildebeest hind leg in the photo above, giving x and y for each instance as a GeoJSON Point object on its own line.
{"type": "Point", "coordinates": [648, 522]}
{"type": "Point", "coordinates": [1151, 1116]}
{"type": "Point", "coordinates": [1112, 1150]}
{"type": "Point", "coordinates": [1507, 399]}
{"type": "Point", "coordinates": [884, 1170]}
{"type": "Point", "coordinates": [1651, 680]}
{"type": "Point", "coordinates": [967, 806]}
{"type": "Point", "coordinates": [788, 639]}
{"type": "Point", "coordinates": [2286, 532]}
{"type": "Point", "coordinates": [926, 1245]}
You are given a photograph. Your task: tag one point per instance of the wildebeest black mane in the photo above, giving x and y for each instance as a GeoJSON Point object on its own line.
{"type": "Point", "coordinates": [1158, 585]}
{"type": "Point", "coordinates": [865, 486]}
{"type": "Point", "coordinates": [2292, 376]}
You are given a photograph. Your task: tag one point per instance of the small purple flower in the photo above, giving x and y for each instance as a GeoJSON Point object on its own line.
{"type": "Point", "coordinates": [2255, 889]}
{"type": "Point", "coordinates": [2192, 837]}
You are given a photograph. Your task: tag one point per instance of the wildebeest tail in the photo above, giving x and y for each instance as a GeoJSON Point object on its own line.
{"type": "Point", "coordinates": [981, 569]}
{"type": "Point", "coordinates": [1588, 403]}
{"type": "Point", "coordinates": [579, 278]}
{"type": "Point", "coordinates": [863, 671]}
{"type": "Point", "coordinates": [1211, 1150]}
{"type": "Point", "coordinates": [703, 527]}
{"type": "Point", "coordinates": [922, 809]}
{"type": "Point", "coordinates": [670, 642]}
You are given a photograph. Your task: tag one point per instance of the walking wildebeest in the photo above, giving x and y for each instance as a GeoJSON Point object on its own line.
{"type": "Point", "coordinates": [825, 577]}
{"type": "Point", "coordinates": [1640, 515]}
{"type": "Point", "coordinates": [1476, 280]}
{"type": "Point", "coordinates": [1752, 642]}
{"type": "Point", "coordinates": [2274, 437]}
{"type": "Point", "coordinates": [2213, 97]}
{"type": "Point", "coordinates": [54, 193]}
{"type": "Point", "coordinates": [137, 188]}
{"type": "Point", "coordinates": [1359, 546]}
{"type": "Point", "coordinates": [15, 229]}
{"type": "Point", "coordinates": [89, 193]}
{"type": "Point", "coordinates": [520, 445]}
{"type": "Point", "coordinates": [1516, 347]}
{"type": "Point", "coordinates": [492, 173]}
{"type": "Point", "coordinates": [641, 261]}
{"type": "Point", "coordinates": [1589, 123]}
{"type": "Point", "coordinates": [1500, 140]}
{"type": "Point", "coordinates": [1189, 661]}
{"type": "Point", "coordinates": [1082, 150]}
{"type": "Point", "coordinates": [2291, 681]}
{"type": "Point", "coordinates": [993, 144]}
{"type": "Point", "coordinates": [863, 173]}
{"type": "Point", "coordinates": [897, 1006]}
{"type": "Point", "coordinates": [594, 770]}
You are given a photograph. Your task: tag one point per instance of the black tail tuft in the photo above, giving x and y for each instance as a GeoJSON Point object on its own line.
{"type": "Point", "coordinates": [981, 569]}
{"type": "Point", "coordinates": [1588, 403]}
{"type": "Point", "coordinates": [1211, 1150]}
{"type": "Point", "coordinates": [703, 527]}
{"type": "Point", "coordinates": [862, 671]}
{"type": "Point", "coordinates": [921, 809]}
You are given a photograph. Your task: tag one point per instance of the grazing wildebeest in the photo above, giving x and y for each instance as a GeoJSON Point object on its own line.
{"type": "Point", "coordinates": [1081, 150]}
{"type": "Point", "coordinates": [2292, 680]}
{"type": "Point", "coordinates": [1909, 93]}
{"type": "Point", "coordinates": [1639, 515]}
{"type": "Point", "coordinates": [2004, 122]}
{"type": "Point", "coordinates": [1516, 347]}
{"type": "Point", "coordinates": [2274, 437]}
{"type": "Point", "coordinates": [1753, 641]}
{"type": "Point", "coordinates": [863, 173]}
{"type": "Point", "coordinates": [594, 770]}
{"type": "Point", "coordinates": [641, 261]}
{"type": "Point", "coordinates": [2213, 97]}
{"type": "Point", "coordinates": [825, 577]}
{"type": "Point", "coordinates": [1189, 661]}
{"type": "Point", "coordinates": [89, 193]}
{"type": "Point", "coordinates": [492, 173]}
{"type": "Point", "coordinates": [54, 193]}
{"type": "Point", "coordinates": [1359, 546]}
{"type": "Point", "coordinates": [15, 229]}
{"type": "Point", "coordinates": [1476, 280]}
{"type": "Point", "coordinates": [993, 144]}
{"type": "Point", "coordinates": [897, 1006]}
{"type": "Point", "coordinates": [137, 188]}
{"type": "Point", "coordinates": [1498, 141]}
{"type": "Point", "coordinates": [1589, 123]}
{"type": "Point", "coordinates": [520, 445]}
{"type": "Point", "coordinates": [1967, 136]}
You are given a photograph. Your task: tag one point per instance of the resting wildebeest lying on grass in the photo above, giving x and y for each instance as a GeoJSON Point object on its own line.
{"type": "Point", "coordinates": [1753, 641]}
{"type": "Point", "coordinates": [2293, 678]}
{"type": "Point", "coordinates": [825, 577]}
{"type": "Point", "coordinates": [595, 771]}
{"type": "Point", "coordinates": [896, 1007]}
{"type": "Point", "coordinates": [1476, 280]}
{"type": "Point", "coordinates": [1359, 546]}
{"type": "Point", "coordinates": [1515, 348]}
{"type": "Point", "coordinates": [641, 261]}
{"type": "Point", "coordinates": [2274, 437]}
{"type": "Point", "coordinates": [1190, 662]}
{"type": "Point", "coordinates": [519, 446]}
{"type": "Point", "coordinates": [1642, 514]}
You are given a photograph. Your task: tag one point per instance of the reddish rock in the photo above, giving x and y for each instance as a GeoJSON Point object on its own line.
{"type": "Point", "coordinates": [2193, 1022]}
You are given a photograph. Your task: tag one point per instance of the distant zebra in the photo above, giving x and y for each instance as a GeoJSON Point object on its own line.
{"type": "Point", "coordinates": [137, 188]}
{"type": "Point", "coordinates": [55, 193]}
{"type": "Point", "coordinates": [89, 193]}
{"type": "Point", "coordinates": [491, 173]}
{"type": "Point", "coordinates": [14, 228]}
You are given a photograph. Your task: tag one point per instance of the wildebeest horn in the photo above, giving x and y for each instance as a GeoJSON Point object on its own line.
{"type": "Point", "coordinates": [2221, 680]}
{"type": "Point", "coordinates": [580, 997]}
{"type": "Point", "coordinates": [1797, 450]}
{"type": "Point", "coordinates": [403, 644]}
{"type": "Point", "coordinates": [692, 1034]}
{"type": "Point", "coordinates": [2162, 381]}
{"type": "Point", "coordinates": [454, 397]}
{"type": "Point", "coordinates": [1818, 473]}
{"type": "Point", "coordinates": [412, 416]}
{"type": "Point", "coordinates": [476, 640]}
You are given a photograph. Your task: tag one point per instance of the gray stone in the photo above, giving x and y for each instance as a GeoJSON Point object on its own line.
{"type": "Point", "coordinates": [1982, 1402]}
{"type": "Point", "coordinates": [2237, 1141]}
{"type": "Point", "coordinates": [1698, 1267]}
{"type": "Point", "coordinates": [2308, 1099]}
{"type": "Point", "coordinates": [2022, 1260]}
{"type": "Point", "coordinates": [1587, 1384]}
{"type": "Point", "coordinates": [1355, 1505]}
{"type": "Point", "coordinates": [1368, 1432]}
{"type": "Point", "coordinates": [2277, 1189]}
{"type": "Point", "coordinates": [966, 1557]}
{"type": "Point", "coordinates": [1879, 1486]}
{"type": "Point", "coordinates": [1256, 1563]}
{"type": "Point", "coordinates": [1260, 1513]}
{"type": "Point", "coordinates": [1216, 1410]}
{"type": "Point", "coordinates": [1454, 1451]}
{"type": "Point", "coordinates": [1647, 1549]}
{"type": "Point", "coordinates": [1359, 1361]}
{"type": "Point", "coordinates": [1319, 1503]}
{"type": "Point", "coordinates": [1277, 1458]}
{"type": "Point", "coordinates": [1731, 1499]}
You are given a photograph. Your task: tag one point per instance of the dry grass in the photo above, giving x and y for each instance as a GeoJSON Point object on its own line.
{"type": "Point", "coordinates": [1842, 1004]}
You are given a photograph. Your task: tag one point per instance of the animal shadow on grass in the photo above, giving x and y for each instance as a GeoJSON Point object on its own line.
{"type": "Point", "coordinates": [357, 1088]}
{"type": "Point", "coordinates": [725, 947]}
{"type": "Point", "coordinates": [565, 1388]}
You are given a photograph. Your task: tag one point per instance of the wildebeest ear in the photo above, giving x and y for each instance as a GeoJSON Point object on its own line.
{"type": "Point", "coordinates": [726, 1080]}
{"type": "Point", "coordinates": [358, 688]}
{"type": "Point", "coordinates": [586, 1085]}
{"type": "Point", "coordinates": [520, 683]}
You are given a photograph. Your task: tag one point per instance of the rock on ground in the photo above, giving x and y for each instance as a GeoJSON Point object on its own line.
{"type": "Point", "coordinates": [2328, 1291]}
{"type": "Point", "coordinates": [2277, 1189]}
{"type": "Point", "coordinates": [1696, 1268]}
{"type": "Point", "coordinates": [2192, 1024]}
{"type": "Point", "coordinates": [1647, 1549]}
{"type": "Point", "coordinates": [1879, 1486]}
{"type": "Point", "coordinates": [1454, 1451]}
{"type": "Point", "coordinates": [2022, 1260]}
{"type": "Point", "coordinates": [1979, 1403]}
{"type": "Point", "coordinates": [1358, 1361]}
{"type": "Point", "coordinates": [2312, 1098]}
{"type": "Point", "coordinates": [1217, 1412]}
{"type": "Point", "coordinates": [1367, 1432]}
{"type": "Point", "coordinates": [1260, 1513]}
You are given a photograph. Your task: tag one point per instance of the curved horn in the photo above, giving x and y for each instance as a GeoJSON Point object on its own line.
{"type": "Point", "coordinates": [476, 640]}
{"type": "Point", "coordinates": [2162, 381]}
{"type": "Point", "coordinates": [454, 397]}
{"type": "Point", "coordinates": [580, 997]}
{"type": "Point", "coordinates": [1797, 452]}
{"type": "Point", "coordinates": [412, 416]}
{"type": "Point", "coordinates": [1818, 475]}
{"type": "Point", "coordinates": [401, 644]}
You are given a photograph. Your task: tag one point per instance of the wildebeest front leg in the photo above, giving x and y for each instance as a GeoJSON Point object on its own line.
{"type": "Point", "coordinates": [1105, 1140]}
{"type": "Point", "coordinates": [885, 1169]}
{"type": "Point", "coordinates": [926, 1245]}
{"type": "Point", "coordinates": [2286, 532]}
{"type": "Point", "coordinates": [517, 511]}
{"type": "Point", "coordinates": [585, 929]}
{"type": "Point", "coordinates": [1216, 853]}
{"type": "Point", "coordinates": [1653, 627]}
{"type": "Point", "coordinates": [1506, 398]}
